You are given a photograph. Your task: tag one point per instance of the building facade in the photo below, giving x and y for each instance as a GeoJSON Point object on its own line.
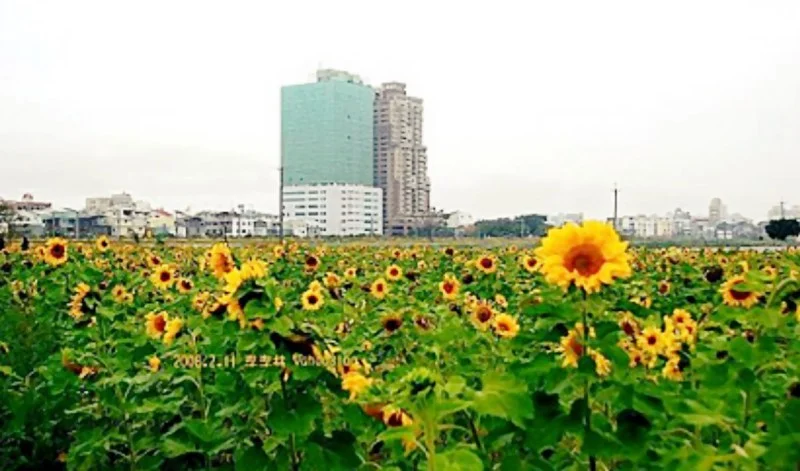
{"type": "Point", "coordinates": [27, 203]}
{"type": "Point", "coordinates": [337, 209]}
{"type": "Point", "coordinates": [327, 131]}
{"type": "Point", "coordinates": [401, 159]}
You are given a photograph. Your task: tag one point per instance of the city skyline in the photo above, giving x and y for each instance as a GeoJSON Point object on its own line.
{"type": "Point", "coordinates": [542, 115]}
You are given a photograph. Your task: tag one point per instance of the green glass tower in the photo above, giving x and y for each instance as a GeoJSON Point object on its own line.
{"type": "Point", "coordinates": [326, 131]}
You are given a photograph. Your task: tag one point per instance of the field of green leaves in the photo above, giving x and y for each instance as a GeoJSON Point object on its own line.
{"type": "Point", "coordinates": [580, 353]}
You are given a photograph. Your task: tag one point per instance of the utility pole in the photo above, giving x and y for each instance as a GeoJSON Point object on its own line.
{"type": "Point", "coordinates": [280, 206]}
{"type": "Point", "coordinates": [783, 214]}
{"type": "Point", "coordinates": [616, 193]}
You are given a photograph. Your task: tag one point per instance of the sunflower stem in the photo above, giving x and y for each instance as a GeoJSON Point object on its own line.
{"type": "Point", "coordinates": [474, 431]}
{"type": "Point", "coordinates": [587, 409]}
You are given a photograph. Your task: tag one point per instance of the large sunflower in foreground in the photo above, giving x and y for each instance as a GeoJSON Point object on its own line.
{"type": "Point", "coordinates": [56, 252]}
{"type": "Point", "coordinates": [589, 256]}
{"type": "Point", "coordinates": [735, 294]}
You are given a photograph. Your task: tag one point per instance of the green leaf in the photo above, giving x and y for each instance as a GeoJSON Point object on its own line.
{"type": "Point", "coordinates": [504, 397]}
{"type": "Point", "coordinates": [252, 458]}
{"type": "Point", "coordinates": [460, 459]}
{"type": "Point", "coordinates": [173, 448]}
{"type": "Point", "coordinates": [454, 385]}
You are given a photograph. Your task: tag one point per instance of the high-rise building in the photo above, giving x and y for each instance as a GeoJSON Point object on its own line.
{"type": "Point", "coordinates": [717, 212]}
{"type": "Point", "coordinates": [326, 131]}
{"type": "Point", "coordinates": [401, 161]}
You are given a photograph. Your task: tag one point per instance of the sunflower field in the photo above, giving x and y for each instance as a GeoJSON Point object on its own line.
{"type": "Point", "coordinates": [579, 353]}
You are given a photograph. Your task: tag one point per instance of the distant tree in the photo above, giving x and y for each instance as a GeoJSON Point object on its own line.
{"type": "Point", "coordinates": [781, 229]}
{"type": "Point", "coordinates": [527, 224]}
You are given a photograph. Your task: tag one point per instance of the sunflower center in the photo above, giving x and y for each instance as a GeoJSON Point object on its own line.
{"type": "Point", "coordinates": [392, 324]}
{"type": "Point", "coordinates": [575, 346]}
{"type": "Point", "coordinates": [586, 259]}
{"type": "Point", "coordinates": [311, 261]}
{"type": "Point", "coordinates": [503, 326]}
{"type": "Point", "coordinates": [531, 262]}
{"type": "Point", "coordinates": [651, 340]}
{"type": "Point", "coordinates": [486, 263]}
{"type": "Point", "coordinates": [57, 251]}
{"type": "Point", "coordinates": [379, 288]}
{"type": "Point", "coordinates": [395, 420]}
{"type": "Point", "coordinates": [484, 314]}
{"type": "Point", "coordinates": [165, 276]}
{"type": "Point", "coordinates": [739, 295]}
{"type": "Point", "coordinates": [627, 327]}
{"type": "Point", "coordinates": [448, 287]}
{"type": "Point", "coordinates": [312, 299]}
{"type": "Point", "coordinates": [186, 285]}
{"type": "Point", "coordinates": [159, 323]}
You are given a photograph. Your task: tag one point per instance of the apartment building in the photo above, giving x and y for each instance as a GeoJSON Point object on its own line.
{"type": "Point", "coordinates": [401, 160]}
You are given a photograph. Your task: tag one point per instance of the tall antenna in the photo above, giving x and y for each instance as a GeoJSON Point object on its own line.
{"type": "Point", "coordinates": [783, 214]}
{"type": "Point", "coordinates": [616, 194]}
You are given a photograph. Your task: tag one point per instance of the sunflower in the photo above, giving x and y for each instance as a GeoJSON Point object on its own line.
{"type": "Point", "coordinates": [486, 263]}
{"type": "Point", "coordinates": [220, 260]}
{"type": "Point", "coordinates": [350, 273]}
{"type": "Point", "coordinates": [588, 256]}
{"type": "Point", "coordinates": [602, 365]}
{"type": "Point", "coordinates": [421, 265]}
{"type": "Point", "coordinates": [102, 243]}
{"type": "Point", "coordinates": [391, 322]}
{"type": "Point", "coordinates": [449, 251]}
{"type": "Point", "coordinates": [643, 300]}
{"type": "Point", "coordinates": [312, 300]}
{"type": "Point", "coordinates": [154, 363]}
{"type": "Point", "coordinates": [331, 280]}
{"type": "Point", "coordinates": [379, 288]}
{"type": "Point", "coordinates": [163, 277]}
{"type": "Point", "coordinates": [173, 327]}
{"type": "Point", "coordinates": [629, 325]}
{"type": "Point", "coordinates": [650, 340]}
{"type": "Point", "coordinates": [185, 285]}
{"type": "Point", "coordinates": [501, 300]}
{"type": "Point", "coordinates": [530, 263]}
{"type": "Point", "coordinates": [76, 302]}
{"type": "Point", "coordinates": [571, 349]}
{"type": "Point", "coordinates": [200, 301]}
{"type": "Point", "coordinates": [253, 269]}
{"type": "Point", "coordinates": [394, 273]}
{"type": "Point", "coordinates": [153, 261]}
{"type": "Point", "coordinates": [311, 263]}
{"type": "Point", "coordinates": [56, 252]}
{"type": "Point", "coordinates": [449, 287]}
{"type": "Point", "coordinates": [156, 323]}
{"type": "Point", "coordinates": [663, 287]}
{"type": "Point", "coordinates": [672, 370]}
{"type": "Point", "coordinates": [315, 286]}
{"type": "Point", "coordinates": [506, 326]}
{"type": "Point", "coordinates": [735, 295]}
{"type": "Point", "coordinates": [278, 251]}
{"type": "Point", "coordinates": [394, 417]}
{"type": "Point", "coordinates": [355, 383]}
{"type": "Point", "coordinates": [482, 314]}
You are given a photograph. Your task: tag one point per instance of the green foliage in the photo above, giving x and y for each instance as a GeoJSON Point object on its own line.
{"type": "Point", "coordinates": [781, 229]}
{"type": "Point", "coordinates": [440, 391]}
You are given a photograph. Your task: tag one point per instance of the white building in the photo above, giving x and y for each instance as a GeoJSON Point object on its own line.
{"type": "Point", "coordinates": [227, 223]}
{"type": "Point", "coordinates": [789, 213]}
{"type": "Point", "coordinates": [560, 219]}
{"type": "Point", "coordinates": [338, 209]}
{"type": "Point", "coordinates": [458, 219]}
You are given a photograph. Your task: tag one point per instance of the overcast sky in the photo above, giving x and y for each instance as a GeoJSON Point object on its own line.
{"type": "Point", "coordinates": [529, 106]}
